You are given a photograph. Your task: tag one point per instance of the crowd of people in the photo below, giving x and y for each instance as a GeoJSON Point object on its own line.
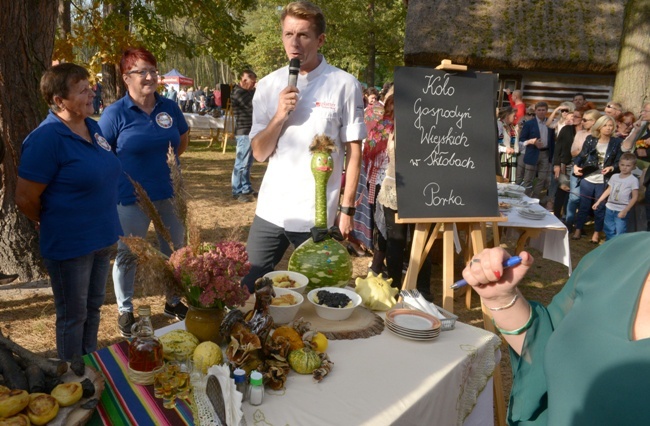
{"type": "Point", "coordinates": [566, 159]}
{"type": "Point", "coordinates": [199, 100]}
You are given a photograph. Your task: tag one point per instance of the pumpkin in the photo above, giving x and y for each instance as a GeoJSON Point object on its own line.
{"type": "Point", "coordinates": [376, 292]}
{"type": "Point", "coordinates": [304, 360]}
{"type": "Point", "coordinates": [178, 345]}
{"type": "Point", "coordinates": [295, 341]}
{"type": "Point", "coordinates": [327, 262]}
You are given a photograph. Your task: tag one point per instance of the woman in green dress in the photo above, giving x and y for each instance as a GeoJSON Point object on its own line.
{"type": "Point", "coordinates": [585, 358]}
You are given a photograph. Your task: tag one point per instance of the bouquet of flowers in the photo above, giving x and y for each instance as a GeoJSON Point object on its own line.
{"type": "Point", "coordinates": [643, 144]}
{"type": "Point", "coordinates": [208, 275]}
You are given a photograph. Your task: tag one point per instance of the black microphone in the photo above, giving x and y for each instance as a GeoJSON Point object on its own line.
{"type": "Point", "coordinates": [294, 68]}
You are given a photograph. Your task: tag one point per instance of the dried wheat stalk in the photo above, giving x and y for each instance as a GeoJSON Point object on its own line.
{"type": "Point", "coordinates": [150, 210]}
{"type": "Point", "coordinates": [154, 272]}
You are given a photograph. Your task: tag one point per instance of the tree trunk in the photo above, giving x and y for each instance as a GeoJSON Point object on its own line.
{"type": "Point", "coordinates": [632, 86]}
{"type": "Point", "coordinates": [26, 42]}
{"type": "Point", "coordinates": [113, 85]}
{"type": "Point", "coordinates": [64, 23]}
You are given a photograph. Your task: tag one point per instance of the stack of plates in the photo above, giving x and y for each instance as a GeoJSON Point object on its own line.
{"type": "Point", "coordinates": [414, 325]}
{"type": "Point", "coordinates": [533, 214]}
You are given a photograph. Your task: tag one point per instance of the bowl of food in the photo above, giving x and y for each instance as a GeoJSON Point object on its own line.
{"type": "Point", "coordinates": [285, 305]}
{"type": "Point", "coordinates": [334, 303]}
{"type": "Point", "coordinates": [288, 279]}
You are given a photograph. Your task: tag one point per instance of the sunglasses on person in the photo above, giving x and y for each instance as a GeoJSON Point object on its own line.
{"type": "Point", "coordinates": [530, 114]}
{"type": "Point", "coordinates": [584, 120]}
{"type": "Point", "coordinates": [564, 110]}
{"type": "Point", "coordinates": [613, 107]}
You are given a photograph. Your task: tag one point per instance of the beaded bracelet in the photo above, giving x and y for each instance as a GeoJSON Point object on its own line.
{"type": "Point", "coordinates": [509, 305]}
{"type": "Point", "coordinates": [520, 329]}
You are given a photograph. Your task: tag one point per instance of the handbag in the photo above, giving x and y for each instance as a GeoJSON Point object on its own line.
{"type": "Point", "coordinates": [589, 163]}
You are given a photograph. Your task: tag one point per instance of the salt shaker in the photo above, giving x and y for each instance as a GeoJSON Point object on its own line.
{"type": "Point", "coordinates": [240, 382]}
{"type": "Point", "coordinates": [256, 388]}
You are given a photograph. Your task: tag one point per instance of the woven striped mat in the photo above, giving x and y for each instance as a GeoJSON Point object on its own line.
{"type": "Point", "coordinates": [125, 403]}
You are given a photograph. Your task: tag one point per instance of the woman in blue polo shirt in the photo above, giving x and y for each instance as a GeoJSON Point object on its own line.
{"type": "Point", "coordinates": [140, 127]}
{"type": "Point", "coordinates": [67, 183]}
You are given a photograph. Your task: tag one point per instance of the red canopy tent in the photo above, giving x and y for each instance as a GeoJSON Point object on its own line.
{"type": "Point", "coordinates": [175, 78]}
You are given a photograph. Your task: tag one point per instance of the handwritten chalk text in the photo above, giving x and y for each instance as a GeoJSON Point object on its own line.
{"type": "Point", "coordinates": [431, 191]}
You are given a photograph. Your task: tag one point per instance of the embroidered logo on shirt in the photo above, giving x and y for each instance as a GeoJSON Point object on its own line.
{"type": "Point", "coordinates": [102, 142]}
{"type": "Point", "coordinates": [326, 105]}
{"type": "Point", "coordinates": [164, 120]}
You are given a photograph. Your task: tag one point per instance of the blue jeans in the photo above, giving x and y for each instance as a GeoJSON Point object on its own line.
{"type": "Point", "coordinates": [266, 246]}
{"type": "Point", "coordinates": [241, 173]}
{"type": "Point", "coordinates": [589, 193]}
{"type": "Point", "coordinates": [79, 286]}
{"type": "Point", "coordinates": [614, 225]}
{"type": "Point", "coordinates": [574, 201]}
{"type": "Point", "coordinates": [136, 223]}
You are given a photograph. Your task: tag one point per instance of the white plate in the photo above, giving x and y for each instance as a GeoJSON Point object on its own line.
{"type": "Point", "coordinates": [420, 339]}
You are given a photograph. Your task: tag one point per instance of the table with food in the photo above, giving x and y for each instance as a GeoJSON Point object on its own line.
{"type": "Point", "coordinates": [533, 224]}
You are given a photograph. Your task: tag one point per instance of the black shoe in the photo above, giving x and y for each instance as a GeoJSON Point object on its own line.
{"type": "Point", "coordinates": [179, 311]}
{"type": "Point", "coordinates": [6, 279]}
{"type": "Point", "coordinates": [125, 323]}
{"type": "Point", "coordinates": [246, 198]}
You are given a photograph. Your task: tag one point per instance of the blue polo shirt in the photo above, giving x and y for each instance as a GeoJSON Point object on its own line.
{"type": "Point", "coordinates": [79, 204]}
{"type": "Point", "coordinates": [141, 141]}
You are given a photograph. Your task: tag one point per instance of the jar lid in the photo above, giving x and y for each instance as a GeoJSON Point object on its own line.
{"type": "Point", "coordinates": [240, 375]}
{"type": "Point", "coordinates": [256, 378]}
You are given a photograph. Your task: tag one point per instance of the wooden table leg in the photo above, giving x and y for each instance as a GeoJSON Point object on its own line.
{"type": "Point", "coordinates": [448, 267]}
{"type": "Point", "coordinates": [526, 235]}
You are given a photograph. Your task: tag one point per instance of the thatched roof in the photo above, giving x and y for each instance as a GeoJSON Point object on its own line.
{"type": "Point", "coordinates": [569, 36]}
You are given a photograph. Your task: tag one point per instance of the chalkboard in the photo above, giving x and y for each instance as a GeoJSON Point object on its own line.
{"type": "Point", "coordinates": [446, 139]}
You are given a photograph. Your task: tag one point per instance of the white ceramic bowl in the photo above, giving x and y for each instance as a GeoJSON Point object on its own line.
{"type": "Point", "coordinates": [300, 279]}
{"type": "Point", "coordinates": [285, 314]}
{"type": "Point", "coordinates": [335, 314]}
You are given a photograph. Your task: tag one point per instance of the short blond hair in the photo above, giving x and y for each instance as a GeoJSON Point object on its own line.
{"type": "Point", "coordinates": [307, 11]}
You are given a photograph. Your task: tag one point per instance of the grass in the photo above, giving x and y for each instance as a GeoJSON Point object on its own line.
{"type": "Point", "coordinates": [27, 309]}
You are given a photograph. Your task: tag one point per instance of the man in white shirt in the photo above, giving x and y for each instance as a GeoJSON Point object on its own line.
{"type": "Point", "coordinates": [327, 101]}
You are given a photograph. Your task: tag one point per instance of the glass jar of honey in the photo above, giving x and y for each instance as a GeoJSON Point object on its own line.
{"type": "Point", "coordinates": [145, 350]}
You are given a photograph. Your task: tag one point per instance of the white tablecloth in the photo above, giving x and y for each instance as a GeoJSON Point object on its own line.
{"type": "Point", "coordinates": [553, 243]}
{"type": "Point", "coordinates": [387, 379]}
{"type": "Point", "coordinates": [196, 121]}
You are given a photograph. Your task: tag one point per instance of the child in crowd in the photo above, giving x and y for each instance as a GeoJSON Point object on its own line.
{"type": "Point", "coordinates": [623, 191]}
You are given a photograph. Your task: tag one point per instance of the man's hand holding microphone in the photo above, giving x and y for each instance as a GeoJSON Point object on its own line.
{"type": "Point", "coordinates": [289, 96]}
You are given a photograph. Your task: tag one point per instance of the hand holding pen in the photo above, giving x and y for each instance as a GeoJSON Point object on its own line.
{"type": "Point", "coordinates": [509, 263]}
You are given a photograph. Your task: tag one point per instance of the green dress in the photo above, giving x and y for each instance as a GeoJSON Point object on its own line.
{"type": "Point", "coordinates": [579, 365]}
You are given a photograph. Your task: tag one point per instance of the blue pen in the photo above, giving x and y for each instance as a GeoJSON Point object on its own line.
{"type": "Point", "coordinates": [509, 263]}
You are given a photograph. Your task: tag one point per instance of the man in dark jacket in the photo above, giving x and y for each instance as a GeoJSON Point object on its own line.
{"type": "Point", "coordinates": [241, 101]}
{"type": "Point", "coordinates": [539, 141]}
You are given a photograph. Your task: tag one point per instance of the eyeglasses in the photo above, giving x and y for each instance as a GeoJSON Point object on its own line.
{"type": "Point", "coordinates": [613, 107]}
{"type": "Point", "coordinates": [564, 110]}
{"type": "Point", "coordinates": [584, 120]}
{"type": "Point", "coordinates": [530, 114]}
{"type": "Point", "coordinates": [144, 73]}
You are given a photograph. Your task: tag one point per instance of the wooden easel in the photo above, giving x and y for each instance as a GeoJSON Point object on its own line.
{"type": "Point", "coordinates": [228, 126]}
{"type": "Point", "coordinates": [422, 242]}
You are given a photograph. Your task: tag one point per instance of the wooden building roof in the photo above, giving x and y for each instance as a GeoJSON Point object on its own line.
{"type": "Point", "coordinates": [567, 36]}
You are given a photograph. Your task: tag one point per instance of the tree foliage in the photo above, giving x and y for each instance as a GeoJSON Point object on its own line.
{"type": "Point", "coordinates": [102, 29]}
{"type": "Point", "coordinates": [354, 30]}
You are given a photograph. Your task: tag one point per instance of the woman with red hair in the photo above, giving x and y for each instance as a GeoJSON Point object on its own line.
{"type": "Point", "coordinates": [140, 127]}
